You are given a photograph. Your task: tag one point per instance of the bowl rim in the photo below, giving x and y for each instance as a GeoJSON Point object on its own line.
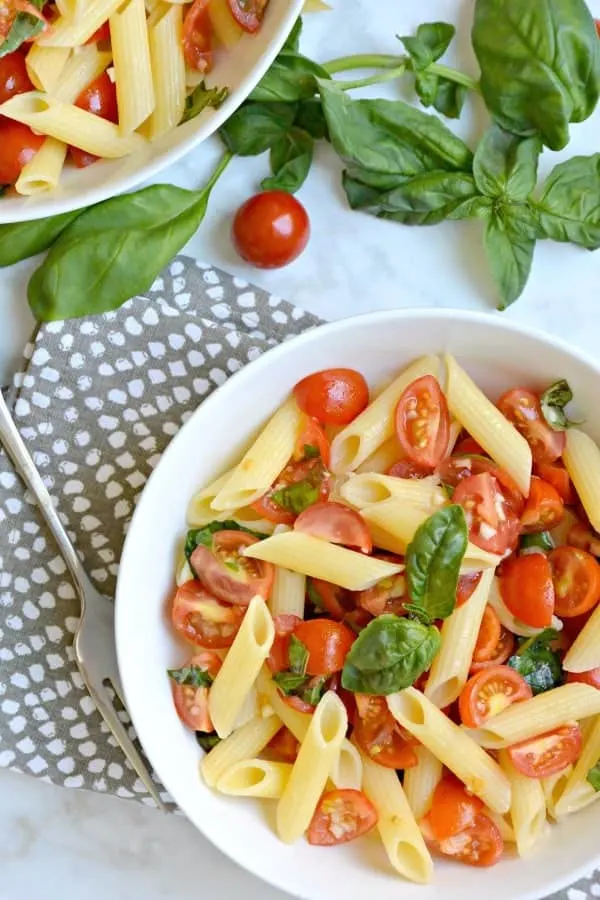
{"type": "Point", "coordinates": [339, 327]}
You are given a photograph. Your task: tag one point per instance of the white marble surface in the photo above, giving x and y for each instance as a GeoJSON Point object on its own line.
{"type": "Point", "coordinates": [56, 843]}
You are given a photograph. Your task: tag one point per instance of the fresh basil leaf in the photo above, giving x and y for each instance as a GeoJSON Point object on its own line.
{"type": "Point", "coordinates": [20, 240]}
{"type": "Point", "coordinates": [419, 613]}
{"type": "Point", "coordinates": [311, 118]}
{"type": "Point", "coordinates": [23, 28]}
{"type": "Point", "coordinates": [292, 77]}
{"type": "Point", "coordinates": [389, 655]}
{"type": "Point", "coordinates": [509, 251]}
{"type": "Point", "coordinates": [291, 159]}
{"type": "Point", "coordinates": [477, 207]}
{"type": "Point", "coordinates": [256, 127]}
{"type": "Point", "coordinates": [207, 740]}
{"type": "Point", "coordinates": [293, 38]}
{"type": "Point", "coordinates": [433, 559]}
{"type": "Point", "coordinates": [314, 690]}
{"type": "Point", "coordinates": [568, 210]}
{"type": "Point", "coordinates": [540, 65]}
{"type": "Point", "coordinates": [429, 44]}
{"type": "Point", "coordinates": [538, 663]}
{"type": "Point", "coordinates": [450, 97]}
{"type": "Point", "coordinates": [593, 776]}
{"type": "Point", "coordinates": [506, 165]}
{"type": "Point", "coordinates": [203, 98]}
{"type": "Point", "coordinates": [289, 682]}
{"type": "Point", "coordinates": [389, 138]}
{"type": "Point", "coordinates": [311, 452]}
{"type": "Point", "coordinates": [540, 542]}
{"type": "Point", "coordinates": [553, 402]}
{"type": "Point", "coordinates": [423, 199]}
{"type": "Point", "coordinates": [313, 595]}
{"type": "Point", "coordinates": [192, 675]}
{"type": "Point", "coordinates": [197, 536]}
{"type": "Point", "coordinates": [298, 496]}
{"type": "Point", "coordinates": [297, 655]}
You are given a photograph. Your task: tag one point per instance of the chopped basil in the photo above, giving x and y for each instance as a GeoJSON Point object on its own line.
{"type": "Point", "coordinates": [593, 776]}
{"type": "Point", "coordinates": [542, 542]}
{"type": "Point", "coordinates": [289, 682]}
{"type": "Point", "coordinates": [204, 535]}
{"type": "Point", "coordinates": [298, 656]}
{"type": "Point", "coordinates": [298, 496]}
{"type": "Point", "coordinates": [208, 740]}
{"type": "Point", "coordinates": [313, 595]}
{"type": "Point", "coordinates": [203, 98]}
{"type": "Point", "coordinates": [537, 662]}
{"type": "Point", "coordinates": [192, 675]}
{"type": "Point", "coordinates": [314, 690]}
{"type": "Point", "coordinates": [553, 402]}
{"type": "Point", "coordinates": [311, 452]}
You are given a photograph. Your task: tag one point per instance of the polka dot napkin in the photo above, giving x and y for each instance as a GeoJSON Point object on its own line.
{"type": "Point", "coordinates": [97, 402]}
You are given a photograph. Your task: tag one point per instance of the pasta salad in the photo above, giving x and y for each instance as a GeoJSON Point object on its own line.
{"type": "Point", "coordinates": [89, 79]}
{"type": "Point", "coordinates": [393, 603]}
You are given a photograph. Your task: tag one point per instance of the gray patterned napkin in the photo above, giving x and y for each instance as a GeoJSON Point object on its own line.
{"type": "Point", "coordinates": [97, 403]}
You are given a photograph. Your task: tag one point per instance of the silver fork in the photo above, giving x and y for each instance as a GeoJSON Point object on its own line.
{"type": "Point", "coordinates": [94, 642]}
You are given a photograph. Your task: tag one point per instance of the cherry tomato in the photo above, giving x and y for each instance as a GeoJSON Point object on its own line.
{"type": "Point", "coordinates": [227, 574]}
{"type": "Point", "coordinates": [468, 447]}
{"type": "Point", "coordinates": [18, 146]}
{"type": "Point", "coordinates": [576, 576]}
{"type": "Point", "coordinates": [466, 587]}
{"type": "Point", "coordinates": [191, 702]}
{"type": "Point", "coordinates": [13, 76]}
{"type": "Point", "coordinates": [504, 650]}
{"type": "Point", "coordinates": [99, 98]}
{"type": "Point", "coordinates": [423, 422]}
{"type": "Point", "coordinates": [452, 808]}
{"type": "Point", "coordinates": [341, 816]}
{"type": "Point", "coordinates": [489, 692]}
{"type": "Point", "coordinates": [248, 13]}
{"type": "Point", "coordinates": [556, 475]}
{"type": "Point", "coordinates": [298, 703]}
{"type": "Point", "coordinates": [197, 37]}
{"type": "Point", "coordinates": [492, 524]}
{"type": "Point", "coordinates": [527, 589]}
{"type": "Point", "coordinates": [387, 596]}
{"type": "Point", "coordinates": [331, 597]}
{"type": "Point", "coordinates": [333, 396]}
{"type": "Point", "coordinates": [584, 538]}
{"type": "Point", "coordinates": [311, 470]}
{"type": "Point", "coordinates": [489, 635]}
{"type": "Point", "coordinates": [101, 34]}
{"type": "Point", "coordinates": [479, 845]}
{"type": "Point", "coordinates": [523, 409]}
{"type": "Point", "coordinates": [544, 508]}
{"type": "Point", "coordinates": [278, 659]}
{"type": "Point", "coordinates": [548, 753]}
{"type": "Point", "coordinates": [456, 468]}
{"type": "Point", "coordinates": [327, 643]}
{"type": "Point", "coordinates": [405, 468]}
{"type": "Point", "coordinates": [591, 677]}
{"type": "Point", "coordinates": [379, 735]}
{"type": "Point", "coordinates": [284, 745]}
{"type": "Point", "coordinates": [337, 524]}
{"type": "Point", "coordinates": [271, 229]}
{"type": "Point", "coordinates": [202, 619]}
{"type": "Point", "coordinates": [312, 439]}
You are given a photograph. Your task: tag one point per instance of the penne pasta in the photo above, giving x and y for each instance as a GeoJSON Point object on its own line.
{"type": "Point", "coordinates": [133, 69]}
{"type": "Point", "coordinates": [81, 69]}
{"type": "Point", "coordinates": [584, 652]}
{"type": "Point", "coordinates": [578, 792]}
{"type": "Point", "coordinates": [245, 743]}
{"type": "Point", "coordinates": [370, 489]}
{"type": "Point", "coordinates": [420, 782]}
{"type": "Point", "coordinates": [165, 37]}
{"type": "Point", "coordinates": [582, 461]}
{"type": "Point", "coordinates": [69, 31]}
{"type": "Point", "coordinates": [43, 172]}
{"type": "Point", "coordinates": [45, 66]}
{"type": "Point", "coordinates": [255, 778]}
{"type": "Point", "coordinates": [553, 788]}
{"type": "Point", "coordinates": [227, 30]}
{"type": "Point", "coordinates": [383, 458]}
{"type": "Point", "coordinates": [527, 808]}
{"type": "Point", "coordinates": [288, 593]}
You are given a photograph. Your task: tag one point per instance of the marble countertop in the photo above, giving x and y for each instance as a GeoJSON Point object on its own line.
{"type": "Point", "coordinates": [57, 843]}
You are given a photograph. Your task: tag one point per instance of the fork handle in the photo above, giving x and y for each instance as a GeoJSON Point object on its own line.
{"type": "Point", "coordinates": [18, 452]}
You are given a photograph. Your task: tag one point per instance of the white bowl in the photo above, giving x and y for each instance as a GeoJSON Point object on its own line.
{"type": "Point", "coordinates": [240, 70]}
{"type": "Point", "coordinates": [499, 355]}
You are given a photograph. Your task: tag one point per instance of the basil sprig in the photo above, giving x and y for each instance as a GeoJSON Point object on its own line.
{"type": "Point", "coordinates": [553, 402]}
{"type": "Point", "coordinates": [203, 98]}
{"type": "Point", "coordinates": [191, 675]}
{"type": "Point", "coordinates": [538, 663]}
{"type": "Point", "coordinates": [433, 559]}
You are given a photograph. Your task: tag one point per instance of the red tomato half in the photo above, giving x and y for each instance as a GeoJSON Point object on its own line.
{"type": "Point", "coordinates": [197, 37]}
{"type": "Point", "coordinates": [227, 574]}
{"type": "Point", "coordinates": [202, 619]}
{"type": "Point", "coordinates": [466, 587]}
{"type": "Point", "coordinates": [332, 598]}
{"type": "Point", "coordinates": [469, 447]}
{"type": "Point", "coordinates": [279, 660]}
{"type": "Point", "coordinates": [387, 596]}
{"type": "Point", "coordinates": [584, 538]}
{"type": "Point", "coordinates": [101, 34]}
{"type": "Point", "coordinates": [479, 845]}
{"type": "Point", "coordinates": [523, 409]}
{"type": "Point", "coordinates": [488, 638]}
{"type": "Point", "coordinates": [492, 524]}
{"type": "Point", "coordinates": [592, 677]}
{"type": "Point", "coordinates": [576, 576]}
{"type": "Point", "coordinates": [452, 808]}
{"type": "Point", "coordinates": [341, 816]}
{"type": "Point", "coordinates": [556, 475]}
{"type": "Point", "coordinates": [423, 422]}
{"type": "Point", "coordinates": [405, 468]}
{"type": "Point", "coordinates": [310, 470]}
{"type": "Point", "coordinates": [99, 98]}
{"type": "Point", "coordinates": [327, 643]}
{"type": "Point", "coordinates": [312, 438]}
{"type": "Point", "coordinates": [337, 524]}
{"type": "Point", "coordinates": [489, 692]}
{"type": "Point", "coordinates": [548, 753]}
{"type": "Point", "coordinates": [527, 590]}
{"type": "Point", "coordinates": [13, 76]}
{"type": "Point", "coordinates": [379, 735]}
{"type": "Point", "coordinates": [503, 651]}
{"type": "Point", "coordinates": [18, 146]}
{"type": "Point", "coordinates": [544, 508]}
{"type": "Point", "coordinates": [270, 230]}
{"type": "Point", "coordinates": [191, 702]}
{"type": "Point", "coordinates": [457, 468]}
{"type": "Point", "coordinates": [333, 396]}
{"type": "Point", "coordinates": [284, 745]}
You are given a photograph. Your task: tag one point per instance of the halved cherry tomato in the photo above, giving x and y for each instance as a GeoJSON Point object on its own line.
{"type": "Point", "coordinates": [544, 509]}
{"type": "Point", "coordinates": [13, 76]}
{"type": "Point", "coordinates": [489, 692]}
{"type": "Point", "coordinates": [466, 587]}
{"type": "Point", "coordinates": [457, 468]}
{"type": "Point", "coordinates": [271, 230]}
{"type": "Point", "coordinates": [479, 845]}
{"type": "Point", "coordinates": [333, 396]}
{"type": "Point", "coordinates": [341, 816]}
{"type": "Point", "coordinates": [584, 538]}
{"type": "Point", "coordinates": [387, 596]}
{"type": "Point", "coordinates": [556, 475]}
{"type": "Point", "coordinates": [523, 409]}
{"type": "Point", "coordinates": [101, 34]}
{"type": "Point", "coordinates": [527, 589]}
{"type": "Point", "coordinates": [99, 98]}
{"type": "Point", "coordinates": [298, 703]}
{"type": "Point", "coordinates": [452, 808]}
{"type": "Point", "coordinates": [197, 37]}
{"type": "Point", "coordinates": [18, 146]}
{"type": "Point", "coordinates": [202, 619]}
{"type": "Point", "coordinates": [227, 574]}
{"type": "Point", "coordinates": [504, 650]}
{"type": "Point", "coordinates": [423, 422]}
{"type": "Point", "coordinates": [492, 524]}
{"type": "Point", "coordinates": [488, 638]}
{"type": "Point", "coordinates": [576, 576]}
{"type": "Point", "coordinates": [310, 470]}
{"type": "Point", "coordinates": [312, 439]}
{"type": "Point", "coordinates": [406, 468]}
{"type": "Point", "coordinates": [191, 702]}
{"type": "Point", "coordinates": [379, 735]}
{"type": "Point", "coordinates": [548, 753]}
{"type": "Point", "coordinates": [591, 677]}
{"type": "Point", "coordinates": [284, 745]}
{"type": "Point", "coordinates": [248, 13]}
{"type": "Point", "coordinates": [337, 524]}
{"type": "Point", "coordinates": [327, 643]}
{"type": "Point", "coordinates": [468, 446]}
{"type": "Point", "coordinates": [331, 597]}
{"type": "Point", "coordinates": [278, 659]}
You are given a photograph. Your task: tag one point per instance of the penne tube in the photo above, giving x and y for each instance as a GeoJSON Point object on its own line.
{"type": "Point", "coordinates": [81, 69]}
{"type": "Point", "coordinates": [528, 807]}
{"type": "Point", "coordinates": [578, 792]}
{"type": "Point", "coordinates": [582, 461]}
{"type": "Point", "coordinates": [553, 787]}
{"type": "Point", "coordinates": [369, 489]}
{"type": "Point", "coordinates": [289, 589]}
{"type": "Point", "coordinates": [45, 65]}
{"type": "Point", "coordinates": [133, 69]}
{"type": "Point", "coordinates": [244, 743]}
{"type": "Point", "coordinates": [43, 172]}
{"type": "Point", "coordinates": [383, 458]}
{"type": "Point", "coordinates": [584, 652]}
{"type": "Point", "coordinates": [255, 778]}
{"type": "Point", "coordinates": [420, 782]}
{"type": "Point", "coordinates": [69, 31]}
{"type": "Point", "coordinates": [226, 29]}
